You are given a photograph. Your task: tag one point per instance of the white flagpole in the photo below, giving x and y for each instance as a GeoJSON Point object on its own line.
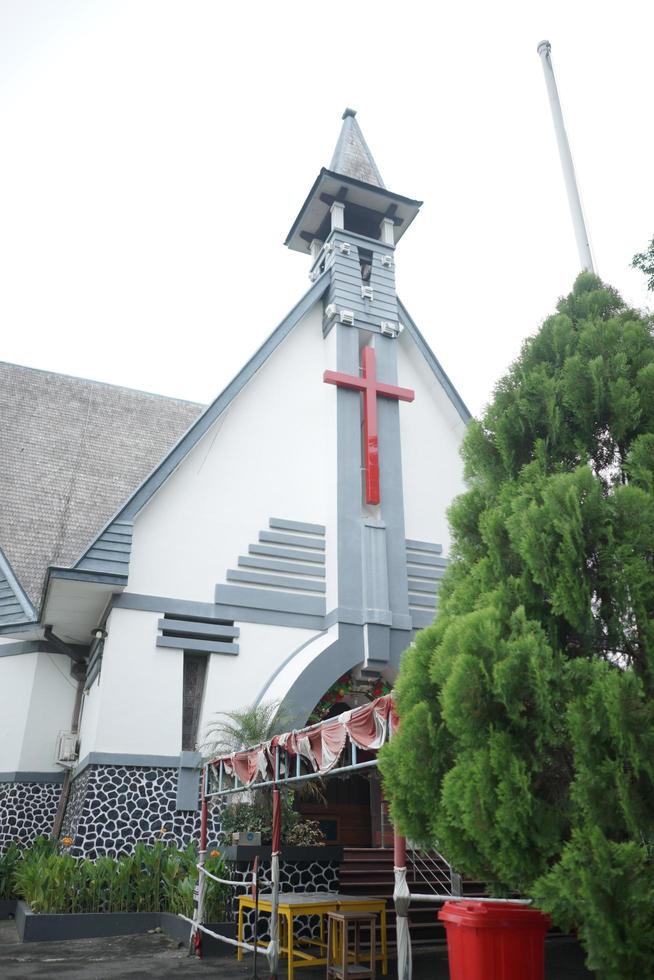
{"type": "Point", "coordinates": [581, 235]}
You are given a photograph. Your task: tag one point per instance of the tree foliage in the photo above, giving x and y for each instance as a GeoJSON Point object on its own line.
{"type": "Point", "coordinates": [645, 262]}
{"type": "Point", "coordinates": [526, 746]}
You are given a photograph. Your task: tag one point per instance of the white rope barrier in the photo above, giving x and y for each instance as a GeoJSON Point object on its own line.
{"type": "Point", "coordinates": [225, 881]}
{"type": "Point", "coordinates": [415, 897]}
{"type": "Point", "coordinates": [216, 935]}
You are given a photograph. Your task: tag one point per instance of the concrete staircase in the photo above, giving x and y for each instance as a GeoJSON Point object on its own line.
{"type": "Point", "coordinates": [369, 871]}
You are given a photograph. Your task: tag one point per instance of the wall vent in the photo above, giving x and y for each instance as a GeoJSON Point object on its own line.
{"type": "Point", "coordinates": [347, 317]}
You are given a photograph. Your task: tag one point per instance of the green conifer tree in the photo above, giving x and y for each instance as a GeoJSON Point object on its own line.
{"type": "Point", "coordinates": [526, 745]}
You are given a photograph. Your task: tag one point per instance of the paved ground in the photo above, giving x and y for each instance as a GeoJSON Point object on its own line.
{"type": "Point", "coordinates": [155, 956]}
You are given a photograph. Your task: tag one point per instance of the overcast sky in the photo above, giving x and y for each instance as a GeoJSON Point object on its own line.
{"type": "Point", "coordinates": [155, 153]}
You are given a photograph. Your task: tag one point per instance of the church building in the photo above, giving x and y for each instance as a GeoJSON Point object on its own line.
{"type": "Point", "coordinates": [161, 561]}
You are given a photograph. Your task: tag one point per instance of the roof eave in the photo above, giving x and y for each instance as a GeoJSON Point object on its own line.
{"type": "Point", "coordinates": [381, 192]}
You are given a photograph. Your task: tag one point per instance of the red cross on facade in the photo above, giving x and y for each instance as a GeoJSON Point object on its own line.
{"type": "Point", "coordinates": [371, 388]}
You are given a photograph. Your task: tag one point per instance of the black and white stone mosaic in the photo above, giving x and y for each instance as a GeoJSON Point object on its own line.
{"type": "Point", "coordinates": [113, 808]}
{"type": "Point", "coordinates": [314, 876]}
{"type": "Point", "coordinates": [27, 811]}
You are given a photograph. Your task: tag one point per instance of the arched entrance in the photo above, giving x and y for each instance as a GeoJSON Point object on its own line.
{"type": "Point", "coordinates": [349, 809]}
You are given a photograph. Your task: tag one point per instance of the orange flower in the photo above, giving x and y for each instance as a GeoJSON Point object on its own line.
{"type": "Point", "coordinates": [214, 854]}
{"type": "Point", "coordinates": [67, 841]}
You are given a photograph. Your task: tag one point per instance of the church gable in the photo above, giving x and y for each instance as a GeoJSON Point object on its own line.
{"type": "Point", "coordinates": [263, 457]}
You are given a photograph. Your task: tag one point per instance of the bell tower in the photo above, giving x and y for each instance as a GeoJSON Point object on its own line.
{"type": "Point", "coordinates": [349, 225]}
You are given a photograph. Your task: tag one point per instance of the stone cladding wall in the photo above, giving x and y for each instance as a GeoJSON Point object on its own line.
{"type": "Point", "coordinates": [27, 811]}
{"type": "Point", "coordinates": [112, 808]}
{"type": "Point", "coordinates": [301, 876]}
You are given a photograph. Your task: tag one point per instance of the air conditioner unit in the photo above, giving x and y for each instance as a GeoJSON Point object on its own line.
{"type": "Point", "coordinates": [347, 317]}
{"type": "Point", "coordinates": [388, 328]}
{"type": "Point", "coordinates": [67, 749]}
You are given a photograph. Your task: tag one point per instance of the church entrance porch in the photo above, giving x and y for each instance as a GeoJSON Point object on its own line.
{"type": "Point", "coordinates": [349, 808]}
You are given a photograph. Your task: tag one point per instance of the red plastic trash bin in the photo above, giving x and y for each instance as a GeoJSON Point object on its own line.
{"type": "Point", "coordinates": [494, 941]}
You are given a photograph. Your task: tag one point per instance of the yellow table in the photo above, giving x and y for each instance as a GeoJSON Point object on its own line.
{"type": "Point", "coordinates": [292, 905]}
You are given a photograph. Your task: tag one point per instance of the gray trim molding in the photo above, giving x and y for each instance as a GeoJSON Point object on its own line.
{"type": "Point", "coordinates": [235, 613]}
{"type": "Point", "coordinates": [269, 599]}
{"type": "Point", "coordinates": [111, 551]}
{"type": "Point", "coordinates": [22, 647]}
{"type": "Point", "coordinates": [188, 781]}
{"type": "Point", "coordinates": [331, 663]}
{"type": "Point", "coordinates": [126, 759]}
{"type": "Point", "coordinates": [26, 776]}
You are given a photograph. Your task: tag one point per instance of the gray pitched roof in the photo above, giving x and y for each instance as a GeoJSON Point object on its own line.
{"type": "Point", "coordinates": [352, 158]}
{"type": "Point", "coordinates": [71, 450]}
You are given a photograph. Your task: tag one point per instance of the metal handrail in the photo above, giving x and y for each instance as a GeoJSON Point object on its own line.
{"type": "Point", "coordinates": [428, 865]}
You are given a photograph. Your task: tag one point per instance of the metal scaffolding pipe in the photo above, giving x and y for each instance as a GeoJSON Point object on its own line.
{"type": "Point", "coordinates": [576, 212]}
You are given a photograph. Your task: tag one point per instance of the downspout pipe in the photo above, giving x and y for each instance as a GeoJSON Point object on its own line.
{"type": "Point", "coordinates": [79, 671]}
{"type": "Point", "coordinates": [574, 201]}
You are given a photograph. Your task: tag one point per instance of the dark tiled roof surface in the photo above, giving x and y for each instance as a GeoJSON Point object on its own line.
{"type": "Point", "coordinates": [352, 158]}
{"type": "Point", "coordinates": [71, 451]}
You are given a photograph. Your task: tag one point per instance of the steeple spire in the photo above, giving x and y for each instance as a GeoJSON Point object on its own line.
{"type": "Point", "coordinates": [350, 196]}
{"type": "Point", "coordinates": [352, 158]}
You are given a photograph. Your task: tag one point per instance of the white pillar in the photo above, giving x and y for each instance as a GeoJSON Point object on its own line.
{"type": "Point", "coordinates": [387, 233]}
{"type": "Point", "coordinates": [338, 216]}
{"type": "Point", "coordinates": [581, 235]}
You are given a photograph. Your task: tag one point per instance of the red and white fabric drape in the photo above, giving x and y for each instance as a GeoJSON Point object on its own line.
{"type": "Point", "coordinates": [321, 745]}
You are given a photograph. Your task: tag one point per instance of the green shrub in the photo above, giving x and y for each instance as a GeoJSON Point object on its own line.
{"type": "Point", "coordinates": [257, 817]}
{"type": "Point", "coordinates": [156, 878]}
{"type": "Point", "coordinates": [8, 864]}
{"type": "Point", "coordinates": [526, 744]}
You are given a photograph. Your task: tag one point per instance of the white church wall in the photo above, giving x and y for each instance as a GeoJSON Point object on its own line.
{"type": "Point", "coordinates": [236, 682]}
{"type": "Point", "coordinates": [431, 431]}
{"type": "Point", "coordinates": [139, 703]}
{"type": "Point", "coordinates": [37, 696]}
{"type": "Point", "coordinates": [50, 711]}
{"type": "Point", "coordinates": [16, 681]}
{"type": "Point", "coordinates": [264, 457]}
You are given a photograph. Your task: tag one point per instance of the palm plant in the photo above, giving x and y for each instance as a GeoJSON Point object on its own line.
{"type": "Point", "coordinates": [246, 728]}
{"type": "Point", "coordinates": [233, 731]}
